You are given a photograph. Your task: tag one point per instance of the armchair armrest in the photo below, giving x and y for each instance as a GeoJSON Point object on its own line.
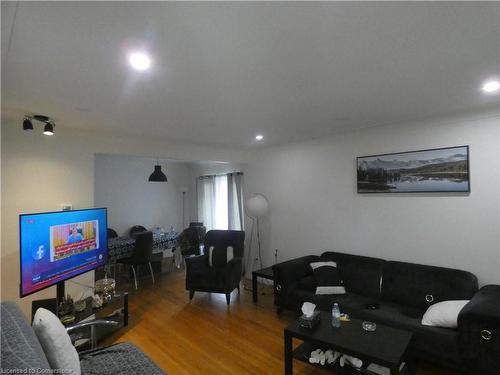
{"type": "Point", "coordinates": [92, 324]}
{"type": "Point", "coordinates": [287, 276]}
{"type": "Point", "coordinates": [196, 262]}
{"type": "Point", "coordinates": [479, 331]}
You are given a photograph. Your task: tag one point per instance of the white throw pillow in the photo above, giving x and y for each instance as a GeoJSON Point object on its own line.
{"type": "Point", "coordinates": [443, 314]}
{"type": "Point", "coordinates": [55, 342]}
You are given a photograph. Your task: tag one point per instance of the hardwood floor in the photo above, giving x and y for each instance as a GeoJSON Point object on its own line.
{"type": "Point", "coordinates": [207, 337]}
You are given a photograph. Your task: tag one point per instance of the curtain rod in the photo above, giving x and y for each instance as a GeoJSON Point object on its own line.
{"type": "Point", "coordinates": [221, 174]}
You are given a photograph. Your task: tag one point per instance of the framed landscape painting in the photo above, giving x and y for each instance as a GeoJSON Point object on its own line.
{"type": "Point", "coordinates": [435, 170]}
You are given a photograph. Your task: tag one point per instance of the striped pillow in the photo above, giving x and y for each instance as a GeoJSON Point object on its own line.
{"type": "Point", "coordinates": [327, 277]}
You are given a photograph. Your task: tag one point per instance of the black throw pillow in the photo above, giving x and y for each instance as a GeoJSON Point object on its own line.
{"type": "Point", "coordinates": [327, 277]}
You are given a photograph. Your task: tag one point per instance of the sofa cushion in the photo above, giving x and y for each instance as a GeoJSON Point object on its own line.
{"type": "Point", "coordinates": [327, 278]}
{"type": "Point", "coordinates": [123, 358]}
{"type": "Point", "coordinates": [361, 275]}
{"type": "Point", "coordinates": [20, 349]}
{"type": "Point", "coordinates": [209, 279]}
{"type": "Point", "coordinates": [348, 303]}
{"type": "Point", "coordinates": [307, 283]}
{"type": "Point", "coordinates": [419, 286]}
{"type": "Point", "coordinates": [433, 341]}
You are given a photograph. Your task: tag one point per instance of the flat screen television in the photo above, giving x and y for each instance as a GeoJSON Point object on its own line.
{"type": "Point", "coordinates": [56, 246]}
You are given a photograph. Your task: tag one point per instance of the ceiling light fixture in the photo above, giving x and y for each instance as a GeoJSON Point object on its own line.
{"type": "Point", "coordinates": [259, 137]}
{"type": "Point", "coordinates": [157, 175]}
{"type": "Point", "coordinates": [48, 129]}
{"type": "Point", "coordinates": [491, 86]}
{"type": "Point", "coordinates": [139, 61]}
{"type": "Point", "coordinates": [27, 124]}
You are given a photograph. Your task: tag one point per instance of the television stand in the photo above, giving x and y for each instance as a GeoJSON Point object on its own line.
{"type": "Point", "coordinates": [60, 292]}
{"type": "Point", "coordinates": [116, 310]}
{"type": "Point", "coordinates": [51, 304]}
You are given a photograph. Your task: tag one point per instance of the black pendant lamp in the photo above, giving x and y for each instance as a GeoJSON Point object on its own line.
{"type": "Point", "coordinates": [157, 175]}
{"type": "Point", "coordinates": [27, 124]}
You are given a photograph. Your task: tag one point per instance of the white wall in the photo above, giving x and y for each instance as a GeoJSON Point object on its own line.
{"type": "Point", "coordinates": [121, 184]}
{"type": "Point", "coordinates": [314, 206]}
{"type": "Point", "coordinates": [39, 172]}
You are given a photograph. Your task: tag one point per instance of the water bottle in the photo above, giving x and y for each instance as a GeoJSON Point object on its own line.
{"type": "Point", "coordinates": [336, 316]}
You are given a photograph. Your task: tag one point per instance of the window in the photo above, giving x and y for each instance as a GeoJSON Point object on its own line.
{"type": "Point", "coordinates": [219, 201]}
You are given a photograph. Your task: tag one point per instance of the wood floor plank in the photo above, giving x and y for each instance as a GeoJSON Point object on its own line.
{"type": "Point", "coordinates": [205, 336]}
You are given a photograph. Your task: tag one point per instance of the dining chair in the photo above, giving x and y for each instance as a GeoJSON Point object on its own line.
{"type": "Point", "coordinates": [142, 254]}
{"type": "Point", "coordinates": [112, 233]}
{"type": "Point", "coordinates": [136, 229]}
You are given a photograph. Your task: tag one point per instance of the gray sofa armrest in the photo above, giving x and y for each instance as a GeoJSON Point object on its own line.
{"type": "Point", "coordinates": [479, 332]}
{"type": "Point", "coordinates": [19, 346]}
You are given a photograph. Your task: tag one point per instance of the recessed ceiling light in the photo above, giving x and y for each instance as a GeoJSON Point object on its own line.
{"type": "Point", "coordinates": [259, 137]}
{"type": "Point", "coordinates": [139, 61]}
{"type": "Point", "coordinates": [491, 86]}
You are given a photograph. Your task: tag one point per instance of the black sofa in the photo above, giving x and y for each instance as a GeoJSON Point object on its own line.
{"type": "Point", "coordinates": [404, 291]}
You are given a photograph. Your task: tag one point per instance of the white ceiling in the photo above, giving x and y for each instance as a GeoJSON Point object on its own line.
{"type": "Point", "coordinates": [223, 72]}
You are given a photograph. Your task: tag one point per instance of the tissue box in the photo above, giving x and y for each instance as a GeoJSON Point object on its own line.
{"type": "Point", "coordinates": [309, 321]}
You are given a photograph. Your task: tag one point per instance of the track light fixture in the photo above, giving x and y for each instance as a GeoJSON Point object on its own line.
{"type": "Point", "coordinates": [48, 129]}
{"type": "Point", "coordinates": [27, 124]}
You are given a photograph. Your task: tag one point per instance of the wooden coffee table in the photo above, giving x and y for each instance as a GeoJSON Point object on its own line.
{"type": "Point", "coordinates": [387, 346]}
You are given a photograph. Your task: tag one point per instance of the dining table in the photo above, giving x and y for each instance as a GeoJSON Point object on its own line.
{"type": "Point", "coordinates": [123, 247]}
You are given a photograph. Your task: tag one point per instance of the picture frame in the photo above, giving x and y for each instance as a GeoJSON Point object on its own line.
{"type": "Point", "coordinates": [436, 170]}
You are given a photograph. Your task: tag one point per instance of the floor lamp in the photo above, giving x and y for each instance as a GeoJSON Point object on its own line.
{"type": "Point", "coordinates": [257, 206]}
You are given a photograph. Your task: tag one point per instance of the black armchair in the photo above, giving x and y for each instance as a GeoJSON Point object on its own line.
{"type": "Point", "coordinates": [215, 271]}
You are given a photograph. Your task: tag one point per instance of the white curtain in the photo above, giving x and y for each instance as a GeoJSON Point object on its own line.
{"type": "Point", "coordinates": [220, 203]}
{"type": "Point", "coordinates": [235, 200]}
{"type": "Point", "coordinates": [213, 201]}
{"type": "Point", "coordinates": [206, 200]}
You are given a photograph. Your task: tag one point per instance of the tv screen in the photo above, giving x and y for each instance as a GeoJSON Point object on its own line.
{"type": "Point", "coordinates": [56, 246]}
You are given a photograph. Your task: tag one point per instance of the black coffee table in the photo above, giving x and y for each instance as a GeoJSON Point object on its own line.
{"type": "Point", "coordinates": [387, 346]}
{"type": "Point", "coordinates": [265, 273]}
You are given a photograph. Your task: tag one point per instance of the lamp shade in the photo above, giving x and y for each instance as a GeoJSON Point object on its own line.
{"type": "Point", "coordinates": [48, 129]}
{"type": "Point", "coordinates": [157, 175]}
{"type": "Point", "coordinates": [27, 124]}
{"type": "Point", "coordinates": [257, 205]}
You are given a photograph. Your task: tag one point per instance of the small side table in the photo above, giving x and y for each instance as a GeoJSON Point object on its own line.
{"type": "Point", "coordinates": [265, 273]}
